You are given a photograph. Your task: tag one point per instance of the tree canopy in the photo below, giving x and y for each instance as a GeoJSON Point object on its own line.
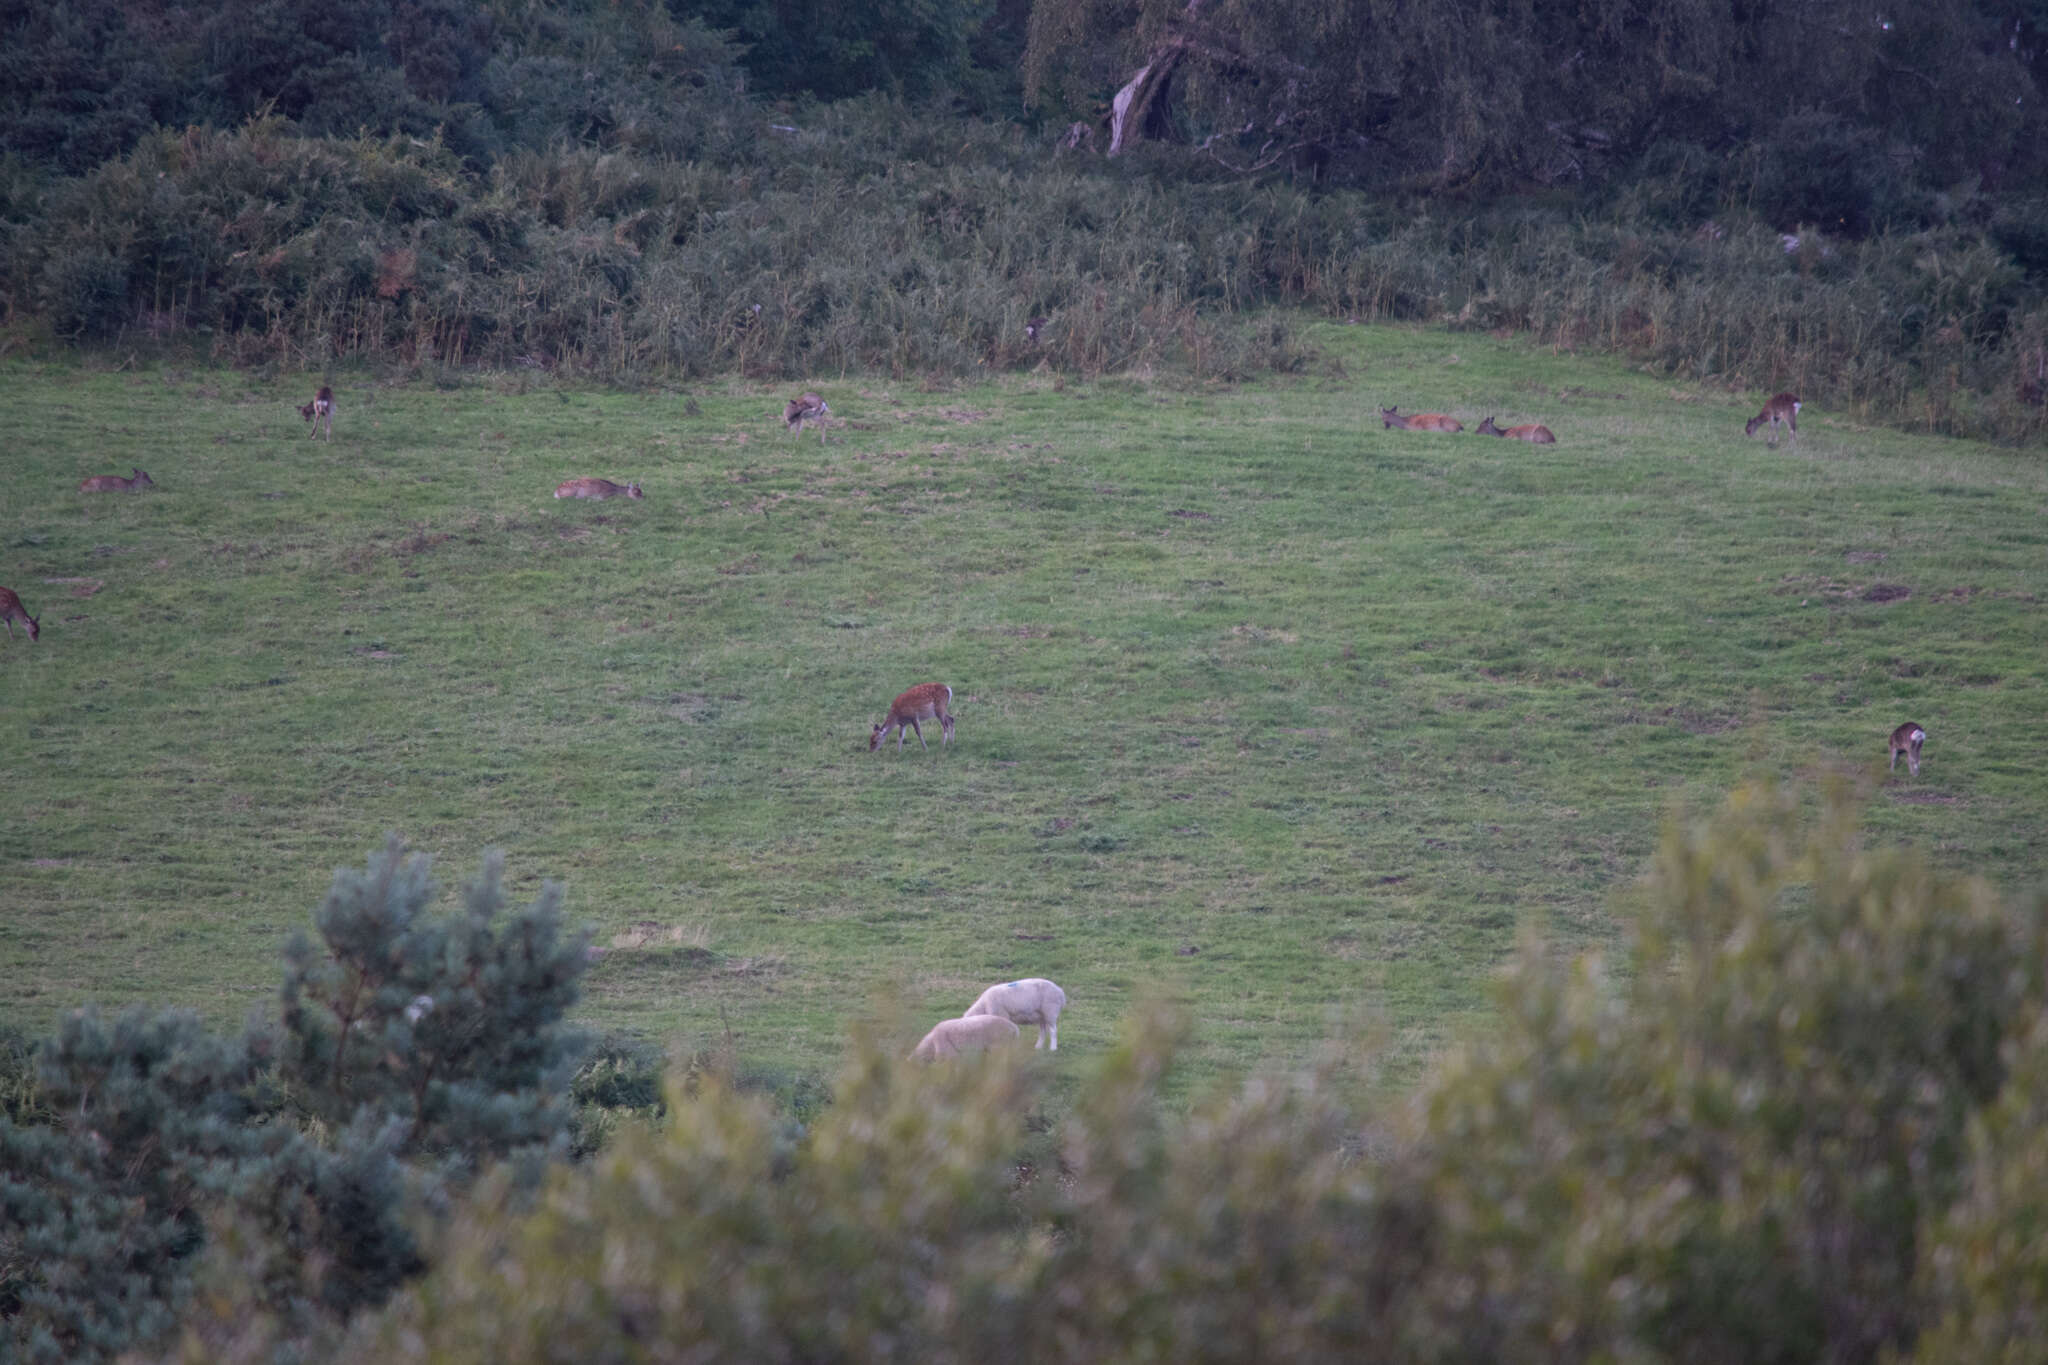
{"type": "Point", "coordinates": [1516, 91]}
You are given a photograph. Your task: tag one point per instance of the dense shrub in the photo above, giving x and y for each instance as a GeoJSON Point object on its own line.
{"type": "Point", "coordinates": [284, 249]}
{"type": "Point", "coordinates": [413, 1047]}
{"type": "Point", "coordinates": [1820, 169]}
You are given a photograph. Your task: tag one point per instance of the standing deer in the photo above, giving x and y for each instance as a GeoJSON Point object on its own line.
{"type": "Point", "coordinates": [320, 411]}
{"type": "Point", "coordinates": [922, 702]}
{"type": "Point", "coordinates": [1784, 408]}
{"type": "Point", "coordinates": [114, 483]}
{"type": "Point", "coordinates": [806, 408]}
{"type": "Point", "coordinates": [11, 611]}
{"type": "Point", "coordinates": [596, 488]}
{"type": "Point", "coordinates": [1421, 421]}
{"type": "Point", "coordinates": [1907, 740]}
{"type": "Point", "coordinates": [1533, 434]}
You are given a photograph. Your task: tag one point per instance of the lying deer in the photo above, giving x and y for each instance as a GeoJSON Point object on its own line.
{"type": "Point", "coordinates": [1421, 421]}
{"type": "Point", "coordinates": [114, 483]}
{"type": "Point", "coordinates": [1784, 408]}
{"type": "Point", "coordinates": [922, 702]}
{"type": "Point", "coordinates": [596, 488]}
{"type": "Point", "coordinates": [319, 411]}
{"type": "Point", "coordinates": [11, 611]}
{"type": "Point", "coordinates": [806, 408]}
{"type": "Point", "coordinates": [1907, 740]}
{"type": "Point", "coordinates": [1535, 435]}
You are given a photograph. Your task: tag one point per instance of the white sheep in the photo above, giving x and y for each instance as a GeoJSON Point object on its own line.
{"type": "Point", "coordinates": [952, 1037]}
{"type": "Point", "coordinates": [1034, 1000]}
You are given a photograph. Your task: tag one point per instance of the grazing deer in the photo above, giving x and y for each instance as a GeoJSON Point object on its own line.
{"type": "Point", "coordinates": [1421, 421]}
{"type": "Point", "coordinates": [1533, 434]}
{"type": "Point", "coordinates": [1907, 740]}
{"type": "Point", "coordinates": [807, 408]}
{"type": "Point", "coordinates": [921, 702]}
{"type": "Point", "coordinates": [320, 412]}
{"type": "Point", "coordinates": [596, 488]}
{"type": "Point", "coordinates": [1784, 408]}
{"type": "Point", "coordinates": [11, 611]}
{"type": "Point", "coordinates": [114, 483]}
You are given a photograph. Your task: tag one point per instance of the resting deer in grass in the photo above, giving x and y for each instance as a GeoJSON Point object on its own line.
{"type": "Point", "coordinates": [596, 488]}
{"type": "Point", "coordinates": [1421, 421]}
{"type": "Point", "coordinates": [320, 411]}
{"type": "Point", "coordinates": [806, 408]}
{"type": "Point", "coordinates": [114, 483]}
{"type": "Point", "coordinates": [1907, 740]}
{"type": "Point", "coordinates": [1533, 434]}
{"type": "Point", "coordinates": [925, 701]}
{"type": "Point", "coordinates": [11, 611]}
{"type": "Point", "coordinates": [1784, 408]}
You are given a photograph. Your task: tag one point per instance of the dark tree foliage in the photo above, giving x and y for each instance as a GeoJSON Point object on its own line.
{"type": "Point", "coordinates": [80, 82]}
{"type": "Point", "coordinates": [830, 50]}
{"type": "Point", "coordinates": [453, 1026]}
{"type": "Point", "coordinates": [1505, 92]}
{"type": "Point", "coordinates": [299, 1158]}
{"type": "Point", "coordinates": [102, 1208]}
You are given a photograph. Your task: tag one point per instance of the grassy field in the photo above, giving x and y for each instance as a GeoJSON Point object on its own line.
{"type": "Point", "coordinates": [1256, 701]}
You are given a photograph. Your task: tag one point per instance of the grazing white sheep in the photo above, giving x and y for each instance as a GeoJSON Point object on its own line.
{"type": "Point", "coordinates": [1034, 1000]}
{"type": "Point", "coordinates": [952, 1037]}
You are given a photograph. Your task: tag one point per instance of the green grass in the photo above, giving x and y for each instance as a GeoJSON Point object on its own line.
{"type": "Point", "coordinates": [1256, 700]}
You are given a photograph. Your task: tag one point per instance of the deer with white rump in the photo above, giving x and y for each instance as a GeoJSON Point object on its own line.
{"type": "Point", "coordinates": [1782, 408]}
{"type": "Point", "coordinates": [1907, 740]}
{"type": "Point", "coordinates": [806, 408]}
{"type": "Point", "coordinates": [320, 412]}
{"type": "Point", "coordinates": [926, 701]}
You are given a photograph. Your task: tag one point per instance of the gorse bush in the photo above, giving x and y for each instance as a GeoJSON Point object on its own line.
{"type": "Point", "coordinates": [1795, 1129]}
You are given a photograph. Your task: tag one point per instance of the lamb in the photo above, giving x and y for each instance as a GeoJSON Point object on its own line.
{"type": "Point", "coordinates": [954, 1037]}
{"type": "Point", "coordinates": [1034, 1000]}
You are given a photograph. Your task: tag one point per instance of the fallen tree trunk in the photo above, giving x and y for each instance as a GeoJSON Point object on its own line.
{"type": "Point", "coordinates": [1141, 96]}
